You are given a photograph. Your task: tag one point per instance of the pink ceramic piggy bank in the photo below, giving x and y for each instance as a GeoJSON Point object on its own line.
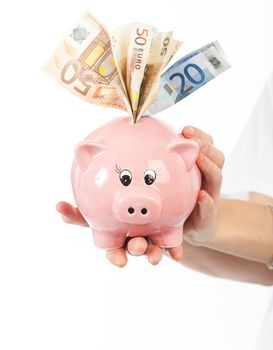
{"type": "Point", "coordinates": [136, 180]}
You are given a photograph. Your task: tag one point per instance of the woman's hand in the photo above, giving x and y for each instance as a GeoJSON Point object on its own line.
{"type": "Point", "coordinates": [135, 246]}
{"type": "Point", "coordinates": [201, 224]}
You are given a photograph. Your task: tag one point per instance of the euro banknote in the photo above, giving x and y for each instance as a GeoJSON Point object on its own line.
{"type": "Point", "coordinates": [84, 64]}
{"type": "Point", "coordinates": [189, 74]}
{"type": "Point", "coordinates": [124, 69]}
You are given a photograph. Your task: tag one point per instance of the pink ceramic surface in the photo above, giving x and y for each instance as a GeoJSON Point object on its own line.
{"type": "Point", "coordinates": [136, 180]}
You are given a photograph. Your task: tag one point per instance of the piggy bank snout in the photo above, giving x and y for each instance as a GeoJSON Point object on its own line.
{"type": "Point", "coordinates": [136, 207]}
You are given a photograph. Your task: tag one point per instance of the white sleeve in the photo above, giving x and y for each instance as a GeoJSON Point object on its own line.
{"type": "Point", "coordinates": [249, 168]}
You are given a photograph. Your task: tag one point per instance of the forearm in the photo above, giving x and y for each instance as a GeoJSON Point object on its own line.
{"type": "Point", "coordinates": [245, 229]}
{"type": "Point", "coordinates": [218, 264]}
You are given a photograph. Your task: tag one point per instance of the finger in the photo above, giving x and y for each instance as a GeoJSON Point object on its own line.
{"type": "Point", "coordinates": [201, 200]}
{"type": "Point", "coordinates": [70, 214]}
{"type": "Point", "coordinates": [213, 154]}
{"type": "Point", "coordinates": [212, 175]}
{"type": "Point", "coordinates": [203, 213]}
{"type": "Point", "coordinates": [117, 257]}
{"type": "Point", "coordinates": [192, 132]}
{"type": "Point", "coordinates": [154, 254]}
{"type": "Point", "coordinates": [205, 205]}
{"type": "Point", "coordinates": [137, 246]}
{"type": "Point", "coordinates": [176, 252]}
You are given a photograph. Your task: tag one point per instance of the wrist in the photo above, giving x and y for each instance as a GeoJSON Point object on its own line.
{"type": "Point", "coordinates": [245, 229]}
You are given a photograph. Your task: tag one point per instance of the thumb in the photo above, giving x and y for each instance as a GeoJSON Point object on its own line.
{"type": "Point", "coordinates": [70, 214]}
{"type": "Point", "coordinates": [205, 208]}
{"type": "Point", "coordinates": [202, 219]}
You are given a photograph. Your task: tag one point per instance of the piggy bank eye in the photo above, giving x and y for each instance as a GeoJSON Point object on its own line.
{"type": "Point", "coordinates": [125, 177]}
{"type": "Point", "coordinates": [149, 176]}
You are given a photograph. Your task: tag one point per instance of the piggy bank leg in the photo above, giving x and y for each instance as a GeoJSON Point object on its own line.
{"type": "Point", "coordinates": [108, 240]}
{"type": "Point", "coordinates": [168, 239]}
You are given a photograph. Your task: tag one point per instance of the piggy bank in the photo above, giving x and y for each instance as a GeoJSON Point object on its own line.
{"type": "Point", "coordinates": [136, 180]}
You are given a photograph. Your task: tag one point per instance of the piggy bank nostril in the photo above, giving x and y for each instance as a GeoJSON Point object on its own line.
{"type": "Point", "coordinates": [144, 211]}
{"type": "Point", "coordinates": [131, 210]}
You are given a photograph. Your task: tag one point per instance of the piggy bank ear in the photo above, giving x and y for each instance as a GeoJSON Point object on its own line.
{"type": "Point", "coordinates": [87, 150]}
{"type": "Point", "coordinates": [187, 149]}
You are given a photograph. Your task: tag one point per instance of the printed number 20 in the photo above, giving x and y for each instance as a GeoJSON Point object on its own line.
{"type": "Point", "coordinates": [183, 89]}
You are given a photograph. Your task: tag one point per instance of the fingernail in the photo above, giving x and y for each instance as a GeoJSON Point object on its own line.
{"type": "Point", "coordinates": [133, 252]}
{"type": "Point", "coordinates": [202, 198]}
{"type": "Point", "coordinates": [120, 262]}
{"type": "Point", "coordinates": [66, 219]}
{"type": "Point", "coordinates": [152, 261]}
{"type": "Point", "coordinates": [190, 130]}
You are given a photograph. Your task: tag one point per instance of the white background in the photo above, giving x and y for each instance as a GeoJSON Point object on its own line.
{"type": "Point", "coordinates": [57, 291]}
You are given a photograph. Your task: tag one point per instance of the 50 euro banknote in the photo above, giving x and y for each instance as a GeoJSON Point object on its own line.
{"type": "Point", "coordinates": [84, 64]}
{"type": "Point", "coordinates": [124, 69]}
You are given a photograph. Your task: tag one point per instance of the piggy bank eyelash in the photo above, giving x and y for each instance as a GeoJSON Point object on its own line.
{"type": "Point", "coordinates": [117, 169]}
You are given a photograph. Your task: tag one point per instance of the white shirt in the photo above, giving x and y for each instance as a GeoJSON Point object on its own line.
{"type": "Point", "coordinates": [250, 169]}
{"type": "Point", "coordinates": [250, 166]}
